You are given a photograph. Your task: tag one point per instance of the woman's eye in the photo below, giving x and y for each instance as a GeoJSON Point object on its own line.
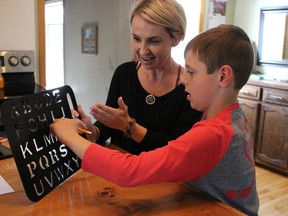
{"type": "Point", "coordinates": [136, 38]}
{"type": "Point", "coordinates": [153, 41]}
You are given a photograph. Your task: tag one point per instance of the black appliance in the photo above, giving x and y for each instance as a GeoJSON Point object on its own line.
{"type": "Point", "coordinates": [18, 71]}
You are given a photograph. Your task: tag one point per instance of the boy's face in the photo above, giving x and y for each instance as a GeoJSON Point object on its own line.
{"type": "Point", "coordinates": [200, 85]}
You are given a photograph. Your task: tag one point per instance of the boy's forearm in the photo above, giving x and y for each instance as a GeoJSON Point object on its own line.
{"type": "Point", "coordinates": [78, 145]}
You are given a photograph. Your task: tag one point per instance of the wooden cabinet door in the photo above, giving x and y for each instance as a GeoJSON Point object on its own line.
{"type": "Point", "coordinates": [250, 109]}
{"type": "Point", "coordinates": [272, 146]}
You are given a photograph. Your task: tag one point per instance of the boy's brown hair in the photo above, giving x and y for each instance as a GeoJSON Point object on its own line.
{"type": "Point", "coordinates": [225, 45]}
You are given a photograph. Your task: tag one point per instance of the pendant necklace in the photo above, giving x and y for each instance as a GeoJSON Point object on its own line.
{"type": "Point", "coordinates": [150, 98]}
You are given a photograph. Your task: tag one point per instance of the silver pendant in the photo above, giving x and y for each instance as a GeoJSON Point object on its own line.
{"type": "Point", "coordinates": [150, 99]}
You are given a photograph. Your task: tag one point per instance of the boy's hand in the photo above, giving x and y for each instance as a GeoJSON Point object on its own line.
{"type": "Point", "coordinates": [64, 129]}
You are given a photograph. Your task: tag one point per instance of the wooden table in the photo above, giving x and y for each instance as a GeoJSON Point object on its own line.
{"type": "Point", "coordinates": [87, 194]}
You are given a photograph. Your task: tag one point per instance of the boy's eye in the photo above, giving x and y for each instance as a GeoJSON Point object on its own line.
{"type": "Point", "coordinates": [189, 72]}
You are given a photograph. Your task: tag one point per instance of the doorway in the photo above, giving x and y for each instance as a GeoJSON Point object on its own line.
{"type": "Point", "coordinates": [54, 50]}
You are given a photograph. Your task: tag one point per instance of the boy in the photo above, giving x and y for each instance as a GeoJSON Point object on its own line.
{"type": "Point", "coordinates": [216, 155]}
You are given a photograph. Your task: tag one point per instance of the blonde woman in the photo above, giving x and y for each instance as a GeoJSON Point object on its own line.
{"type": "Point", "coordinates": [146, 104]}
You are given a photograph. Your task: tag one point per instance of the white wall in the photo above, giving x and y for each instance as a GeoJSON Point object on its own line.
{"type": "Point", "coordinates": [89, 75]}
{"type": "Point", "coordinates": [18, 26]}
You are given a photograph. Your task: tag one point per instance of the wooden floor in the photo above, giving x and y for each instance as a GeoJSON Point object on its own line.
{"type": "Point", "coordinates": [273, 192]}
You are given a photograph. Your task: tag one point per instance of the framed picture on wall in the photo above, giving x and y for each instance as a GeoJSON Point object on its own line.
{"type": "Point", "coordinates": [217, 12]}
{"type": "Point", "coordinates": [90, 39]}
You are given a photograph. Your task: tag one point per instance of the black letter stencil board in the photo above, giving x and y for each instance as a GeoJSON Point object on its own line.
{"type": "Point", "coordinates": [42, 161]}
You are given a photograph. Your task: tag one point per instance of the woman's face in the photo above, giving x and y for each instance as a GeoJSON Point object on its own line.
{"type": "Point", "coordinates": [151, 43]}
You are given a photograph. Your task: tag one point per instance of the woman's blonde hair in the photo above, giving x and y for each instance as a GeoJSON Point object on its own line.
{"type": "Point", "coordinates": [166, 13]}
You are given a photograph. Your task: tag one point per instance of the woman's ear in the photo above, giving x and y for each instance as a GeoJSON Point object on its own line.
{"type": "Point", "coordinates": [176, 40]}
{"type": "Point", "coordinates": [226, 76]}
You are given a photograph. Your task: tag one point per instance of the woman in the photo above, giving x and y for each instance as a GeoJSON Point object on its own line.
{"type": "Point", "coordinates": [146, 105]}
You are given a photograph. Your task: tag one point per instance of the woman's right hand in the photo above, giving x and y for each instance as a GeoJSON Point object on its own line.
{"type": "Point", "coordinates": [84, 121]}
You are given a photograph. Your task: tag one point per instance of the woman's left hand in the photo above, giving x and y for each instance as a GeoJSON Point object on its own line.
{"type": "Point", "coordinates": [111, 117]}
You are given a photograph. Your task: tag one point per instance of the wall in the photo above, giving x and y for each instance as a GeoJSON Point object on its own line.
{"type": "Point", "coordinates": [89, 75]}
{"type": "Point", "coordinates": [18, 26]}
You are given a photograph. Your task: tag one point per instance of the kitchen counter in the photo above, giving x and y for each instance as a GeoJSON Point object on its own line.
{"type": "Point", "coordinates": [255, 80]}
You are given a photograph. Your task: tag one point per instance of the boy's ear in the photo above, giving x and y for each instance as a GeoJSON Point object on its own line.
{"type": "Point", "coordinates": [226, 76]}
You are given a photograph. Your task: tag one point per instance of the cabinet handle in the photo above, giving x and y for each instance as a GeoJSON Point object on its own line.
{"type": "Point", "coordinates": [275, 97]}
{"type": "Point", "coordinates": [245, 92]}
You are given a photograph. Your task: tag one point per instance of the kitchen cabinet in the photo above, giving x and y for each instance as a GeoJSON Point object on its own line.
{"type": "Point", "coordinates": [249, 99]}
{"type": "Point", "coordinates": [266, 107]}
{"type": "Point", "coordinates": [272, 147]}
